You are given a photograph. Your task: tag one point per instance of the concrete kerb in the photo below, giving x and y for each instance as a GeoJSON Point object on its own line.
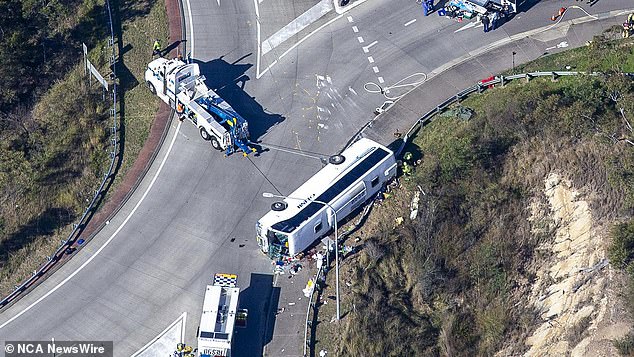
{"type": "Point", "coordinates": [49, 268]}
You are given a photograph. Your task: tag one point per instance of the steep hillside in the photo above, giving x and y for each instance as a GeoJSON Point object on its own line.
{"type": "Point", "coordinates": [55, 126]}
{"type": "Point", "coordinates": [507, 252]}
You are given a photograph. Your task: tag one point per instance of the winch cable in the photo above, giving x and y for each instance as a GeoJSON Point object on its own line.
{"type": "Point", "coordinates": [372, 87]}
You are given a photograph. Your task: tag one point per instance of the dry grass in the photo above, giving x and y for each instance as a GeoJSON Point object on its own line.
{"type": "Point", "coordinates": [40, 203]}
{"type": "Point", "coordinates": [451, 282]}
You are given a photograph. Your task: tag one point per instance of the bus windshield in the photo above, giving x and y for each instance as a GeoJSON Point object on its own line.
{"type": "Point", "coordinates": [278, 244]}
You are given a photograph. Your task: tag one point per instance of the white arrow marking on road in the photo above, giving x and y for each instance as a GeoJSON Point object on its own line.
{"type": "Point", "coordinates": [562, 44]}
{"type": "Point", "coordinates": [469, 25]}
{"type": "Point", "coordinates": [366, 49]}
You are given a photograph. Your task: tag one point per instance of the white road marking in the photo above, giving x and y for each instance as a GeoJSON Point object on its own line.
{"type": "Point", "coordinates": [406, 24]}
{"type": "Point", "coordinates": [182, 317]}
{"type": "Point", "coordinates": [350, 19]}
{"type": "Point", "coordinates": [366, 49]}
{"type": "Point", "coordinates": [257, 25]}
{"type": "Point", "coordinates": [375, 69]}
{"type": "Point", "coordinates": [360, 39]}
{"type": "Point", "coordinates": [218, 2]}
{"type": "Point", "coordinates": [562, 44]}
{"type": "Point", "coordinates": [381, 80]}
{"type": "Point", "coordinates": [355, 29]}
{"type": "Point", "coordinates": [352, 90]}
{"type": "Point", "coordinates": [298, 24]}
{"type": "Point", "coordinates": [370, 59]}
{"type": "Point", "coordinates": [191, 27]}
{"type": "Point", "coordinates": [81, 267]}
{"type": "Point", "coordinates": [259, 75]}
{"type": "Point", "coordinates": [469, 25]}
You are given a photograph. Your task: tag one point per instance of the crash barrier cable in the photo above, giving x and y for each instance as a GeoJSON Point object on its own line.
{"type": "Point", "coordinates": [77, 227]}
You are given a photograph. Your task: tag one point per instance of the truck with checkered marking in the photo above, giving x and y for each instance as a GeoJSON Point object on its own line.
{"type": "Point", "coordinates": [220, 317]}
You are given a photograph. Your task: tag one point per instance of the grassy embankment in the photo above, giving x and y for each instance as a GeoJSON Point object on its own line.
{"type": "Point", "coordinates": [447, 283]}
{"type": "Point", "coordinates": [55, 127]}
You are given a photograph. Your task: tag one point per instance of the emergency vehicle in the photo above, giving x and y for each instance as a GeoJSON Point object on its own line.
{"type": "Point", "coordinates": [220, 316]}
{"type": "Point", "coordinates": [345, 183]}
{"type": "Point", "coordinates": [183, 88]}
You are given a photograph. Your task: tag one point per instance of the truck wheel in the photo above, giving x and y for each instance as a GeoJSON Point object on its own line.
{"type": "Point", "coordinates": [204, 134]}
{"type": "Point", "coordinates": [336, 159]}
{"type": "Point", "coordinates": [151, 87]}
{"type": "Point", "coordinates": [278, 206]}
{"type": "Point", "coordinates": [214, 143]}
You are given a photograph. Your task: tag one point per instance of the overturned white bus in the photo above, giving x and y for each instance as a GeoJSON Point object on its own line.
{"type": "Point", "coordinates": [347, 182]}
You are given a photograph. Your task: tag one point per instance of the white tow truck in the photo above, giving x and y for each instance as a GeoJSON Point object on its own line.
{"type": "Point", "coordinates": [183, 88]}
{"type": "Point", "coordinates": [220, 316]}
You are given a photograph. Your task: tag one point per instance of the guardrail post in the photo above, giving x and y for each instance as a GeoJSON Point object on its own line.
{"type": "Point", "coordinates": [502, 81]}
{"type": "Point", "coordinates": [555, 77]}
{"type": "Point", "coordinates": [528, 77]}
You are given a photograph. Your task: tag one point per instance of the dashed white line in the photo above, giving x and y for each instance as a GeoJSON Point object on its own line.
{"type": "Point", "coordinates": [370, 59]}
{"type": "Point", "coordinates": [355, 29]}
{"type": "Point", "coordinates": [381, 80]}
{"type": "Point", "coordinates": [410, 22]}
{"type": "Point", "coordinates": [350, 19]}
{"type": "Point", "coordinates": [366, 49]}
{"type": "Point", "coordinates": [375, 69]}
{"type": "Point", "coordinates": [360, 39]}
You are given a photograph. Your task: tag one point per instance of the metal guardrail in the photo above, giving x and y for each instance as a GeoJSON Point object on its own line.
{"type": "Point", "coordinates": [77, 227]}
{"type": "Point", "coordinates": [310, 304]}
{"type": "Point", "coordinates": [480, 87]}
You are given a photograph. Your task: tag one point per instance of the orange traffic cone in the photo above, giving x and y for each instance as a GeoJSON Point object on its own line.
{"type": "Point", "coordinates": [554, 18]}
{"type": "Point", "coordinates": [561, 11]}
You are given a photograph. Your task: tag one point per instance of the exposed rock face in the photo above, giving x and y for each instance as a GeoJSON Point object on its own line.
{"type": "Point", "coordinates": [572, 292]}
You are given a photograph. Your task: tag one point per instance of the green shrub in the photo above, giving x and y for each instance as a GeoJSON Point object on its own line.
{"type": "Point", "coordinates": [621, 251]}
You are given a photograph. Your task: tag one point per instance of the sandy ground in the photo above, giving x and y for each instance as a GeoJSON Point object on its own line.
{"type": "Point", "coordinates": [573, 295]}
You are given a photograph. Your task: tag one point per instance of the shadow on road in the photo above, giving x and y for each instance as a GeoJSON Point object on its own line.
{"type": "Point", "coordinates": [261, 299]}
{"type": "Point", "coordinates": [229, 80]}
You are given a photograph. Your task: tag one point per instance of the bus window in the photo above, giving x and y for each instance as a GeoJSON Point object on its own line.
{"type": "Point", "coordinates": [375, 181]}
{"type": "Point", "coordinates": [318, 227]}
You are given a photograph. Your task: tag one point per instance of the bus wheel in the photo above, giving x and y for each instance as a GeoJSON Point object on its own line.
{"type": "Point", "coordinates": [336, 159]}
{"type": "Point", "coordinates": [204, 134]}
{"type": "Point", "coordinates": [214, 143]}
{"type": "Point", "coordinates": [278, 206]}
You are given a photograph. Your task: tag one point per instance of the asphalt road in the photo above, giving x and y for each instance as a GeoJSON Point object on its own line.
{"type": "Point", "coordinates": [194, 213]}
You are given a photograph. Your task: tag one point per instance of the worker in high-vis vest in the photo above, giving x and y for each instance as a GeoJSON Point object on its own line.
{"type": "Point", "coordinates": [628, 26]}
{"type": "Point", "coordinates": [156, 49]}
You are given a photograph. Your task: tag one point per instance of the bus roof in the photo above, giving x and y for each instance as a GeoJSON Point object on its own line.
{"type": "Point", "coordinates": [326, 185]}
